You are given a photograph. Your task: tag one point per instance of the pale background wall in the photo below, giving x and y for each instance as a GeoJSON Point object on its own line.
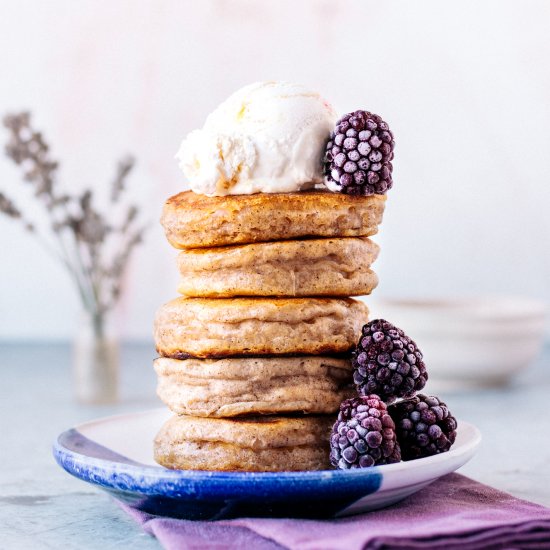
{"type": "Point", "coordinates": [464, 85]}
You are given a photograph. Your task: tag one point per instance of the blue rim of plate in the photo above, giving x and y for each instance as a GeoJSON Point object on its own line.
{"type": "Point", "coordinates": [119, 473]}
{"type": "Point", "coordinates": [101, 466]}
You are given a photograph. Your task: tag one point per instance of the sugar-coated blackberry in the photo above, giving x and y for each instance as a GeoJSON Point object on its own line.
{"type": "Point", "coordinates": [424, 426]}
{"type": "Point", "coordinates": [364, 434]}
{"type": "Point", "coordinates": [358, 155]}
{"type": "Point", "coordinates": [387, 362]}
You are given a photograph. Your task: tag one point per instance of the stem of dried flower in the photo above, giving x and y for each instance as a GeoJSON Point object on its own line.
{"type": "Point", "coordinates": [80, 231]}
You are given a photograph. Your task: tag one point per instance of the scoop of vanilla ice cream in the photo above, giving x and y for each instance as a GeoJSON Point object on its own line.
{"type": "Point", "coordinates": [268, 137]}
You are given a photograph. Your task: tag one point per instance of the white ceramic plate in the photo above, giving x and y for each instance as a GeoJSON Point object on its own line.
{"type": "Point", "coordinates": [115, 454]}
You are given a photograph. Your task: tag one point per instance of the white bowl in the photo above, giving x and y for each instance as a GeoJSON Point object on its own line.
{"type": "Point", "coordinates": [470, 342]}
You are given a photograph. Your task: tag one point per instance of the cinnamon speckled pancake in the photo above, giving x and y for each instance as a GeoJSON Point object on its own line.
{"type": "Point", "coordinates": [258, 444]}
{"type": "Point", "coordinates": [314, 267]}
{"type": "Point", "coordinates": [225, 327]}
{"type": "Point", "coordinates": [195, 221]}
{"type": "Point", "coordinates": [254, 385]}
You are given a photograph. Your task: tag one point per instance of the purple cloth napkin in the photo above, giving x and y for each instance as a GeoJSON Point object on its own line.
{"type": "Point", "coordinates": [453, 512]}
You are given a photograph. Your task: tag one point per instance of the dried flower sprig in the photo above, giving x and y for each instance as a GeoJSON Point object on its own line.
{"type": "Point", "coordinates": [93, 248]}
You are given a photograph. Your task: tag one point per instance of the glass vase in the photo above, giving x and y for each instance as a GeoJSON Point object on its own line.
{"type": "Point", "coordinates": [95, 360]}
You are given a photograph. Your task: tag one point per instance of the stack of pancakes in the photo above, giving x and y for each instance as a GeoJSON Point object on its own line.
{"type": "Point", "coordinates": [254, 357]}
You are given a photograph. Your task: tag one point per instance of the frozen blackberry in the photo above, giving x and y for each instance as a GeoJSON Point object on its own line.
{"type": "Point", "coordinates": [364, 434]}
{"type": "Point", "coordinates": [358, 155]}
{"type": "Point", "coordinates": [424, 426]}
{"type": "Point", "coordinates": [387, 362]}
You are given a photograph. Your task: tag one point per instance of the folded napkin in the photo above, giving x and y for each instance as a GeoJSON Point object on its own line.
{"type": "Point", "coordinates": [453, 512]}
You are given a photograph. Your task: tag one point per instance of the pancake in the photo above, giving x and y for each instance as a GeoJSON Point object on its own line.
{"type": "Point", "coordinates": [254, 385]}
{"type": "Point", "coordinates": [256, 444]}
{"type": "Point", "coordinates": [195, 221]}
{"type": "Point", "coordinates": [314, 267]}
{"type": "Point", "coordinates": [225, 327]}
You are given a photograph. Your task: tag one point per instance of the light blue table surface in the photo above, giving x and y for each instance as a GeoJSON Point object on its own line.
{"type": "Point", "coordinates": [43, 507]}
